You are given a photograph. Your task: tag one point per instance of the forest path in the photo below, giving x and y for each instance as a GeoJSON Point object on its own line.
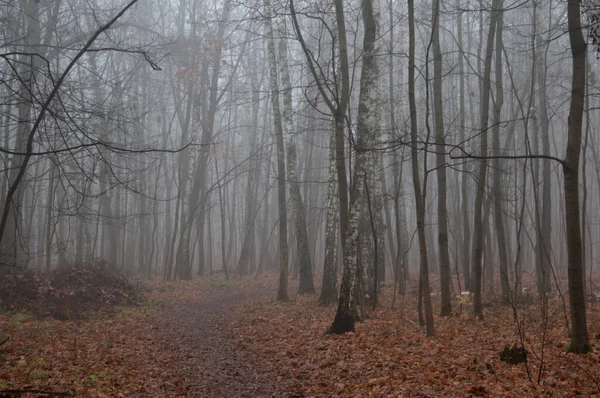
{"type": "Point", "coordinates": [207, 362]}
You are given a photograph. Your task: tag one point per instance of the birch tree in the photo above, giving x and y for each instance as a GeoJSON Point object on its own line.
{"type": "Point", "coordinates": [367, 127]}
{"type": "Point", "coordinates": [336, 101]}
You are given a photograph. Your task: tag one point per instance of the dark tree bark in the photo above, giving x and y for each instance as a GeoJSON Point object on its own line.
{"type": "Point", "coordinates": [478, 231]}
{"type": "Point", "coordinates": [579, 334]}
{"type": "Point", "coordinates": [440, 156]}
{"type": "Point", "coordinates": [424, 292]}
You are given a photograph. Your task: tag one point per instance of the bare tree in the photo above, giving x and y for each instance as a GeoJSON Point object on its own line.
{"type": "Point", "coordinates": [477, 249]}
{"type": "Point", "coordinates": [497, 172]}
{"type": "Point", "coordinates": [445, 278]}
{"type": "Point", "coordinates": [282, 294]}
{"type": "Point", "coordinates": [579, 333]}
{"type": "Point", "coordinates": [306, 280]}
{"type": "Point", "coordinates": [27, 134]}
{"type": "Point", "coordinates": [329, 292]}
{"type": "Point", "coordinates": [366, 131]}
{"type": "Point", "coordinates": [419, 192]}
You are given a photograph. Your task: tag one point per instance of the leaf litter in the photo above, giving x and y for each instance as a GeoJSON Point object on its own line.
{"type": "Point", "coordinates": [389, 355]}
{"type": "Point", "coordinates": [212, 337]}
{"type": "Point", "coordinates": [177, 342]}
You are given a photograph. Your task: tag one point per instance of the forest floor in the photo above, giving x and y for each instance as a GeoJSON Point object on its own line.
{"type": "Point", "coordinates": [390, 356]}
{"type": "Point", "coordinates": [179, 342]}
{"type": "Point", "coordinates": [212, 337]}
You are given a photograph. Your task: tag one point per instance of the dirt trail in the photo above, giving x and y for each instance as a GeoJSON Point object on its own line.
{"type": "Point", "coordinates": [207, 363]}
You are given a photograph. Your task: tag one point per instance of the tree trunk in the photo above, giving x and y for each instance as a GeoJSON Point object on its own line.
{"type": "Point", "coordinates": [376, 196]}
{"type": "Point", "coordinates": [12, 244]}
{"type": "Point", "coordinates": [337, 105]}
{"type": "Point", "coordinates": [329, 288]}
{"type": "Point", "coordinates": [345, 316]}
{"type": "Point", "coordinates": [546, 224]}
{"type": "Point", "coordinates": [466, 236]}
{"type": "Point", "coordinates": [424, 291]}
{"type": "Point", "coordinates": [196, 200]}
{"type": "Point", "coordinates": [478, 231]}
{"type": "Point", "coordinates": [339, 117]}
{"type": "Point", "coordinates": [282, 294]}
{"type": "Point", "coordinates": [445, 278]}
{"type": "Point", "coordinates": [248, 253]}
{"type": "Point", "coordinates": [579, 333]}
{"type": "Point", "coordinates": [497, 183]}
{"type": "Point", "coordinates": [305, 265]}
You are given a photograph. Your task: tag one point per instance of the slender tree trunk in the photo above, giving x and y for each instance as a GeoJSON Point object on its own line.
{"type": "Point", "coordinates": [466, 236]}
{"type": "Point", "coordinates": [377, 204]}
{"type": "Point", "coordinates": [248, 253]}
{"type": "Point", "coordinates": [196, 200]}
{"type": "Point", "coordinates": [424, 291]}
{"type": "Point", "coordinates": [282, 294]}
{"type": "Point", "coordinates": [389, 221]}
{"type": "Point", "coordinates": [445, 277]}
{"type": "Point", "coordinates": [477, 249]}
{"type": "Point", "coordinates": [546, 167]}
{"type": "Point", "coordinates": [12, 245]}
{"type": "Point", "coordinates": [182, 177]}
{"type": "Point", "coordinates": [401, 271]}
{"type": "Point", "coordinates": [329, 288]}
{"type": "Point", "coordinates": [400, 274]}
{"type": "Point", "coordinates": [584, 186]}
{"type": "Point", "coordinates": [305, 265]}
{"type": "Point", "coordinates": [541, 266]}
{"type": "Point", "coordinates": [497, 173]}
{"type": "Point", "coordinates": [49, 215]}
{"type": "Point", "coordinates": [579, 333]}
{"type": "Point", "coordinates": [488, 255]}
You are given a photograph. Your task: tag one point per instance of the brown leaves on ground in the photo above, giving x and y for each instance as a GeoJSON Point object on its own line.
{"type": "Point", "coordinates": [175, 344]}
{"type": "Point", "coordinates": [217, 338]}
{"type": "Point", "coordinates": [389, 355]}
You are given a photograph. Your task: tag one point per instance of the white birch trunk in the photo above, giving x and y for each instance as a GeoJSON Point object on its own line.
{"type": "Point", "coordinates": [367, 126]}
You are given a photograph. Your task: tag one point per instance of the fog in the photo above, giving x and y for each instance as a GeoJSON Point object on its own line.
{"type": "Point", "coordinates": [340, 143]}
